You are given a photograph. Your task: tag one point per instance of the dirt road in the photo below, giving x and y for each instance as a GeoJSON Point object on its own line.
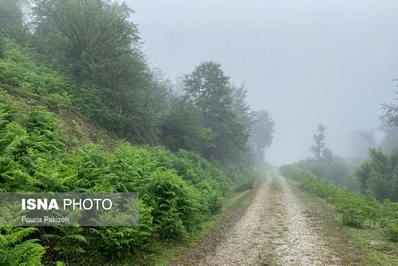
{"type": "Point", "coordinates": [275, 229]}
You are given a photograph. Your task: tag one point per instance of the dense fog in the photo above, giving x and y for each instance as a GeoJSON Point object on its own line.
{"type": "Point", "coordinates": [306, 62]}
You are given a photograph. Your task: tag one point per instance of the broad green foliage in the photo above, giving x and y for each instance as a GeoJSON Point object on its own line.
{"type": "Point", "coordinates": [105, 77]}
{"type": "Point", "coordinates": [177, 190]}
{"type": "Point", "coordinates": [126, 113]}
{"type": "Point", "coordinates": [16, 250]}
{"type": "Point", "coordinates": [19, 70]}
{"type": "Point", "coordinates": [356, 210]}
{"type": "Point", "coordinates": [92, 39]}
{"type": "Point", "coordinates": [183, 128]}
{"type": "Point", "coordinates": [175, 205]}
{"type": "Point", "coordinates": [208, 88]}
{"type": "Point", "coordinates": [95, 43]}
{"type": "Point", "coordinates": [213, 118]}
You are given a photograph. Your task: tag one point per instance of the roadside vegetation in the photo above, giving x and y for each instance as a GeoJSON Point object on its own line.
{"type": "Point", "coordinates": [364, 195]}
{"type": "Point", "coordinates": [369, 223]}
{"type": "Point", "coordinates": [81, 109]}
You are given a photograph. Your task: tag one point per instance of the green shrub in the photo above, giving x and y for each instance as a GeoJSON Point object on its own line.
{"type": "Point", "coordinates": [69, 242]}
{"type": "Point", "coordinates": [177, 191]}
{"type": "Point", "coordinates": [175, 205]}
{"type": "Point", "coordinates": [15, 250]}
{"type": "Point", "coordinates": [354, 209]}
{"type": "Point", "coordinates": [19, 70]}
{"type": "Point", "coordinates": [393, 231]}
{"type": "Point", "coordinates": [114, 242]}
{"type": "Point", "coordinates": [388, 211]}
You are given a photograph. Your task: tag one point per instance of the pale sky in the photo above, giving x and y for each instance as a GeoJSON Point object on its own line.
{"type": "Point", "coordinates": [305, 61]}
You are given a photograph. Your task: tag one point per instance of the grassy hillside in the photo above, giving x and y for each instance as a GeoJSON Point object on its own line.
{"type": "Point", "coordinates": [46, 146]}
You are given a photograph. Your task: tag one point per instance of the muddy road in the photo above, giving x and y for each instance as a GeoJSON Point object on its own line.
{"type": "Point", "coordinates": [274, 229]}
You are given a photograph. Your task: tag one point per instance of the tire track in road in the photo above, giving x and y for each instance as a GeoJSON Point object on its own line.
{"type": "Point", "coordinates": [274, 230]}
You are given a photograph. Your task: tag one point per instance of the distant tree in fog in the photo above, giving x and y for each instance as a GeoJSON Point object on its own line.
{"type": "Point", "coordinates": [262, 133]}
{"type": "Point", "coordinates": [319, 137]}
{"type": "Point", "coordinates": [362, 141]}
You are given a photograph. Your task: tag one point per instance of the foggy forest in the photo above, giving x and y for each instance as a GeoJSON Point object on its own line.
{"type": "Point", "coordinates": [255, 132]}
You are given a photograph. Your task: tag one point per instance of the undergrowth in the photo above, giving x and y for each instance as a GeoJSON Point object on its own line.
{"type": "Point", "coordinates": [178, 190]}
{"type": "Point", "coordinates": [354, 209]}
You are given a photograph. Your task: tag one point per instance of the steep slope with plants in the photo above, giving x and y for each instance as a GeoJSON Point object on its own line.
{"type": "Point", "coordinates": [177, 190]}
{"type": "Point", "coordinates": [82, 110]}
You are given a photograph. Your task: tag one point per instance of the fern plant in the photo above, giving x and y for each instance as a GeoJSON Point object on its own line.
{"type": "Point", "coordinates": [15, 250]}
{"type": "Point", "coordinates": [68, 242]}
